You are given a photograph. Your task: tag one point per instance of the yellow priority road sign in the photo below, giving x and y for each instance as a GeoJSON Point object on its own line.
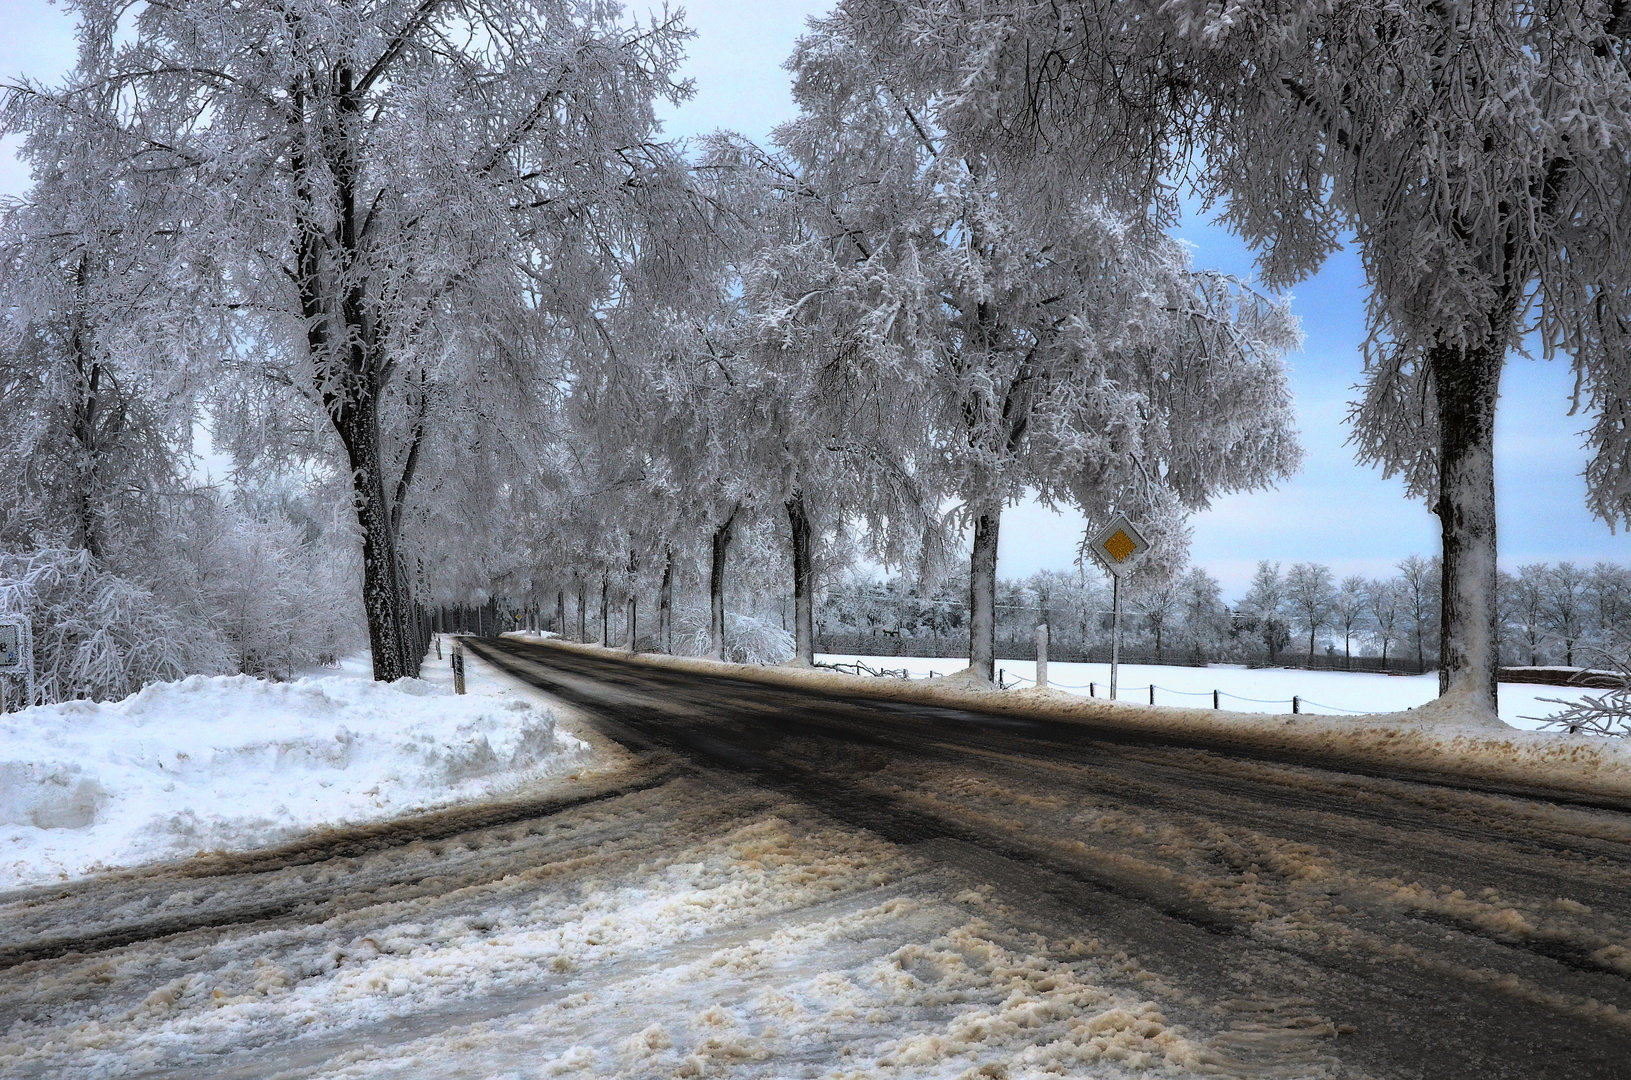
{"type": "Point", "coordinates": [1119, 545]}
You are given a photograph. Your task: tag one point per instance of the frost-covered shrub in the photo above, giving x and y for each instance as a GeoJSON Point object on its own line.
{"type": "Point", "coordinates": [98, 635]}
{"type": "Point", "coordinates": [278, 598]}
{"type": "Point", "coordinates": [747, 640]}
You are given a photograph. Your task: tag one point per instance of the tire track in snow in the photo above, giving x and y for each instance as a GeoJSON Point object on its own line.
{"type": "Point", "coordinates": [1398, 844]}
{"type": "Point", "coordinates": [268, 899]}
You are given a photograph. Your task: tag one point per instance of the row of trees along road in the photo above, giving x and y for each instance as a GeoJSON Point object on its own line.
{"type": "Point", "coordinates": [439, 250]}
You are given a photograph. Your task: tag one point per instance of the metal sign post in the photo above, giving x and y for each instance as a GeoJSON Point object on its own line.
{"type": "Point", "coordinates": [1118, 546]}
{"type": "Point", "coordinates": [16, 656]}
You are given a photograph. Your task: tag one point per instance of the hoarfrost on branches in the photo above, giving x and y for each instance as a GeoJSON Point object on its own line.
{"type": "Point", "coordinates": [1481, 153]}
{"type": "Point", "coordinates": [376, 191]}
{"type": "Point", "coordinates": [1063, 346]}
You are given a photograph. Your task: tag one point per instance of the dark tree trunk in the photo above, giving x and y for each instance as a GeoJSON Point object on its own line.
{"type": "Point", "coordinates": [357, 423]}
{"type": "Point", "coordinates": [982, 595]}
{"type": "Point", "coordinates": [1467, 384]}
{"type": "Point", "coordinates": [716, 588]}
{"type": "Point", "coordinates": [634, 591]}
{"type": "Point", "coordinates": [560, 612]}
{"type": "Point", "coordinates": [665, 605]}
{"type": "Point", "coordinates": [605, 612]}
{"type": "Point", "coordinates": [583, 627]}
{"type": "Point", "coordinates": [803, 580]}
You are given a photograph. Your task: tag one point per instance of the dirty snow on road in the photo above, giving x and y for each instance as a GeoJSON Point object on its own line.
{"type": "Point", "coordinates": [664, 927]}
{"type": "Point", "coordinates": [1125, 911]}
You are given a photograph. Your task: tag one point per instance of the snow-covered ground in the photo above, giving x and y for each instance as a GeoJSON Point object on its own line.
{"type": "Point", "coordinates": [1264, 690]}
{"type": "Point", "coordinates": [229, 763]}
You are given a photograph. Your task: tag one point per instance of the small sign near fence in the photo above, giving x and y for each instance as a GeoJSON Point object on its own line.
{"type": "Point", "coordinates": [16, 657]}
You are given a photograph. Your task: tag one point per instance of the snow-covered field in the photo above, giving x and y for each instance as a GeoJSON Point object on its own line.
{"type": "Point", "coordinates": [237, 762]}
{"type": "Point", "coordinates": [1264, 690]}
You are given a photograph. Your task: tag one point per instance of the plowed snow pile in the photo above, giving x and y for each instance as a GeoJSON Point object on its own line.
{"type": "Point", "coordinates": [237, 762]}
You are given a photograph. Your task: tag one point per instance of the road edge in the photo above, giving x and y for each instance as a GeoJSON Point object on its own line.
{"type": "Point", "coordinates": [1432, 739]}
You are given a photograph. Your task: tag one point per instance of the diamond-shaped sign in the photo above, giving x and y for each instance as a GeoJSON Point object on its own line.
{"type": "Point", "coordinates": [1119, 545]}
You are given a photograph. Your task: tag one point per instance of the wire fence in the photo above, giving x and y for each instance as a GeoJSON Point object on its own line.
{"type": "Point", "coordinates": [1297, 702]}
{"type": "Point", "coordinates": [888, 644]}
{"type": "Point", "coordinates": [1005, 681]}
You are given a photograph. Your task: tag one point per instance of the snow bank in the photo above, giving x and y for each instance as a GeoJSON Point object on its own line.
{"type": "Point", "coordinates": [234, 762]}
{"type": "Point", "coordinates": [1243, 689]}
{"type": "Point", "coordinates": [1444, 737]}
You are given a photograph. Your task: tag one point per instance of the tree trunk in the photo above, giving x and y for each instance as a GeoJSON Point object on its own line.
{"type": "Point", "coordinates": [634, 591]}
{"type": "Point", "coordinates": [1467, 384]}
{"type": "Point", "coordinates": [560, 612]}
{"type": "Point", "coordinates": [357, 423]}
{"type": "Point", "coordinates": [665, 605]}
{"type": "Point", "coordinates": [982, 595]}
{"type": "Point", "coordinates": [605, 612]}
{"type": "Point", "coordinates": [803, 580]}
{"type": "Point", "coordinates": [583, 627]}
{"type": "Point", "coordinates": [716, 589]}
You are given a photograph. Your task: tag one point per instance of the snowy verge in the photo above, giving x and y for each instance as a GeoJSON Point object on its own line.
{"type": "Point", "coordinates": [1442, 737]}
{"type": "Point", "coordinates": [234, 762]}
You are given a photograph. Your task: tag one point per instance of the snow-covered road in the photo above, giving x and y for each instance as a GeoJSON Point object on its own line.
{"type": "Point", "coordinates": [773, 885]}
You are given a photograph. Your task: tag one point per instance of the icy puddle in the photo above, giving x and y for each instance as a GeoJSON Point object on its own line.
{"type": "Point", "coordinates": [681, 931]}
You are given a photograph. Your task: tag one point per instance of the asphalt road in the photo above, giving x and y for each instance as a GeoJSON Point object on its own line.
{"type": "Point", "coordinates": [1424, 927]}
{"type": "Point", "coordinates": [770, 883]}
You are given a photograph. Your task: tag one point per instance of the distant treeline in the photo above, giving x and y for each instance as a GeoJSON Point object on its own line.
{"type": "Point", "coordinates": [1302, 615]}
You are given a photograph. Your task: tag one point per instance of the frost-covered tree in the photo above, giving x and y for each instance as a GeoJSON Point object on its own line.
{"type": "Point", "coordinates": [1310, 596]}
{"type": "Point", "coordinates": [96, 407]}
{"type": "Point", "coordinates": [1349, 610]}
{"type": "Point", "coordinates": [1525, 607]}
{"type": "Point", "coordinates": [1063, 347]}
{"type": "Point", "coordinates": [830, 428]}
{"type": "Point", "coordinates": [382, 186]}
{"type": "Point", "coordinates": [1418, 590]}
{"type": "Point", "coordinates": [1609, 591]}
{"type": "Point", "coordinates": [1564, 589]}
{"type": "Point", "coordinates": [1205, 618]}
{"type": "Point", "coordinates": [1160, 603]}
{"type": "Point", "coordinates": [1265, 605]}
{"type": "Point", "coordinates": [1479, 152]}
{"type": "Point", "coordinates": [1385, 607]}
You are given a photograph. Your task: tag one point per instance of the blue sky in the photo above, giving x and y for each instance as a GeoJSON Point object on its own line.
{"type": "Point", "coordinates": [1334, 511]}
